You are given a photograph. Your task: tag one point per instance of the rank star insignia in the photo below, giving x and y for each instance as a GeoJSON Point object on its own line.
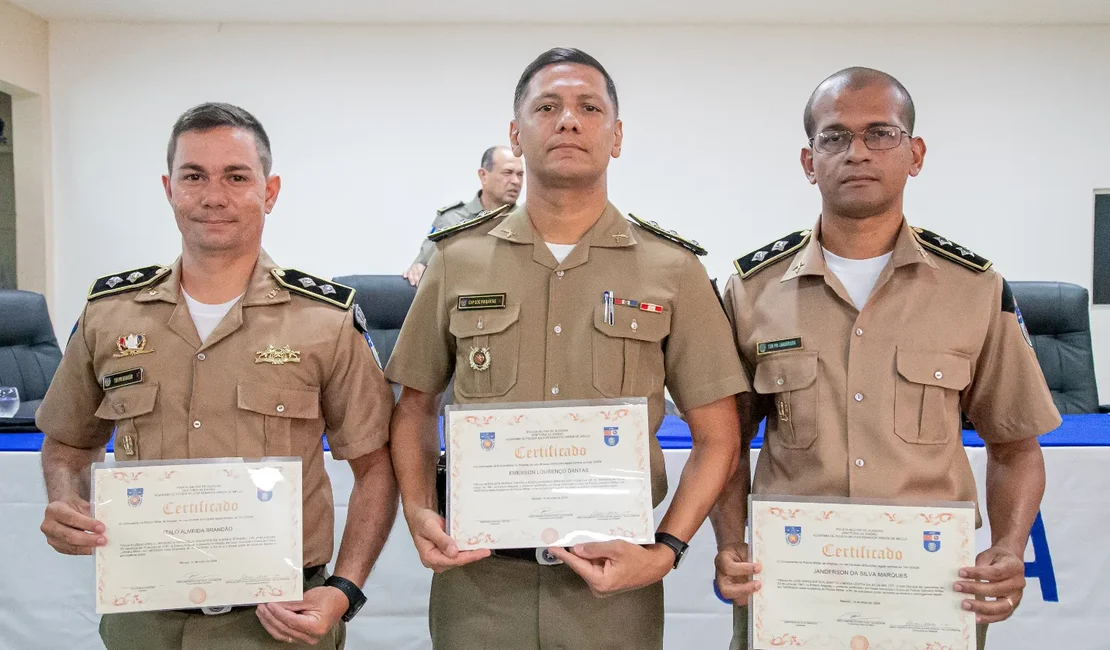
{"type": "Point", "coordinates": [479, 359]}
{"type": "Point", "coordinates": [966, 252]}
{"type": "Point", "coordinates": [942, 241]}
{"type": "Point", "coordinates": [130, 345]}
{"type": "Point", "coordinates": [759, 256]}
{"type": "Point", "coordinates": [113, 281]}
{"type": "Point", "coordinates": [134, 276]}
{"type": "Point", "coordinates": [307, 282]}
{"type": "Point", "coordinates": [277, 356]}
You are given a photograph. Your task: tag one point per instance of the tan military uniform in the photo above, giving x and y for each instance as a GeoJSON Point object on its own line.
{"type": "Point", "coordinates": [867, 403]}
{"type": "Point", "coordinates": [287, 361]}
{"type": "Point", "coordinates": [448, 216]}
{"type": "Point", "coordinates": [544, 336]}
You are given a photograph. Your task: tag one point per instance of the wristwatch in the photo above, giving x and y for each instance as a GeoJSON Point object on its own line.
{"type": "Point", "coordinates": [355, 598]}
{"type": "Point", "coordinates": [675, 544]}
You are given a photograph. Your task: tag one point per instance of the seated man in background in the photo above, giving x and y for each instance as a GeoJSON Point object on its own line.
{"type": "Point", "coordinates": [171, 357]}
{"type": "Point", "coordinates": [501, 176]}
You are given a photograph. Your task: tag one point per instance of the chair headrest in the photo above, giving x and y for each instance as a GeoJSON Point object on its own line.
{"type": "Point", "coordinates": [384, 298]}
{"type": "Point", "coordinates": [24, 319]}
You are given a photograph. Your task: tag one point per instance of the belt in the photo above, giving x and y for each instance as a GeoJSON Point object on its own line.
{"type": "Point", "coordinates": [310, 572]}
{"type": "Point", "coordinates": [534, 555]}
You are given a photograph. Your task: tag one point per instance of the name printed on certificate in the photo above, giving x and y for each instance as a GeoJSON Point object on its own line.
{"type": "Point", "coordinates": [860, 575]}
{"type": "Point", "coordinates": [555, 475]}
{"type": "Point", "coordinates": [190, 534]}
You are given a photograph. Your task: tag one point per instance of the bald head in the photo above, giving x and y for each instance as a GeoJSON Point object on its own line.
{"type": "Point", "coordinates": [857, 78]}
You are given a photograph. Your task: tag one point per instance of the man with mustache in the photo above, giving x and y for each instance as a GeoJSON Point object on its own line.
{"type": "Point", "coordinates": [865, 338]}
{"type": "Point", "coordinates": [225, 354]}
{"type": "Point", "coordinates": [542, 269]}
{"type": "Point", "coordinates": [501, 175]}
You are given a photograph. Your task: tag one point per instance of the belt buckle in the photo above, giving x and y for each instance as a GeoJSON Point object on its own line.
{"type": "Point", "coordinates": [215, 611]}
{"type": "Point", "coordinates": [546, 557]}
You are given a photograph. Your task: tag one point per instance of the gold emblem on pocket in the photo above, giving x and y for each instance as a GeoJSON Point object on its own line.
{"type": "Point", "coordinates": [278, 356]}
{"type": "Point", "coordinates": [479, 359]}
{"type": "Point", "coordinates": [784, 410]}
{"type": "Point", "coordinates": [130, 345]}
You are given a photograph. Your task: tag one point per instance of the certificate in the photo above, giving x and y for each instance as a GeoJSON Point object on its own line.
{"type": "Point", "coordinates": [549, 474]}
{"type": "Point", "coordinates": [860, 576]}
{"type": "Point", "coordinates": [189, 534]}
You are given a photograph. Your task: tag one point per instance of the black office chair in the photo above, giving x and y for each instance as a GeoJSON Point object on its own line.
{"type": "Point", "coordinates": [385, 299]}
{"type": "Point", "coordinates": [1057, 315]}
{"type": "Point", "coordinates": [29, 353]}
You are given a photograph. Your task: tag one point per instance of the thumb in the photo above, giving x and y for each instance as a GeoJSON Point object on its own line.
{"type": "Point", "coordinates": [597, 550]}
{"type": "Point", "coordinates": [434, 532]}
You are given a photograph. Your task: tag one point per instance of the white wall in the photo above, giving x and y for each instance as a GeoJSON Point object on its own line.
{"type": "Point", "coordinates": [375, 127]}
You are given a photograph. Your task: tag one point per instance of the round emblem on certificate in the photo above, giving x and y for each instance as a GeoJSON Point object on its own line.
{"type": "Point", "coordinates": [479, 359]}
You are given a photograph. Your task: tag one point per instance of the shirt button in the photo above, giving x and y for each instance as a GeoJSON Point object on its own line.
{"type": "Point", "coordinates": [780, 381]}
{"type": "Point", "coordinates": [938, 374]}
{"type": "Point", "coordinates": [634, 326]}
{"type": "Point", "coordinates": [859, 462]}
{"type": "Point", "coordinates": [555, 389]}
{"type": "Point", "coordinates": [859, 397]}
{"type": "Point", "coordinates": [120, 408]}
{"type": "Point", "coordinates": [559, 273]}
{"type": "Point", "coordinates": [196, 424]}
{"type": "Point", "coordinates": [558, 329]}
{"type": "Point", "coordinates": [280, 408]}
{"type": "Point", "coordinates": [859, 332]}
{"type": "Point", "coordinates": [200, 357]}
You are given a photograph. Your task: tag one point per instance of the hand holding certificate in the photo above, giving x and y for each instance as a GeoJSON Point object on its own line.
{"type": "Point", "coordinates": [554, 474]}
{"type": "Point", "coordinates": [188, 534]}
{"type": "Point", "coordinates": [860, 576]}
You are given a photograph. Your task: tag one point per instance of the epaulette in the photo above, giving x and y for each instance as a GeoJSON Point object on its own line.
{"type": "Point", "coordinates": [654, 228]}
{"type": "Point", "coordinates": [758, 260]}
{"type": "Point", "coordinates": [450, 207]}
{"type": "Point", "coordinates": [333, 293]}
{"type": "Point", "coordinates": [481, 217]}
{"type": "Point", "coordinates": [127, 281]}
{"type": "Point", "coordinates": [951, 250]}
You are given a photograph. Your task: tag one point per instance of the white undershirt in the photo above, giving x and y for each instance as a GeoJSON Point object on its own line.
{"type": "Point", "coordinates": [857, 276]}
{"type": "Point", "coordinates": [206, 317]}
{"type": "Point", "coordinates": [560, 251]}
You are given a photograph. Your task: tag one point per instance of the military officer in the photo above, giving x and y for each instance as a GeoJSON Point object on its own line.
{"type": "Point", "coordinates": [539, 272]}
{"type": "Point", "coordinates": [501, 175]}
{"type": "Point", "coordinates": [225, 354]}
{"type": "Point", "coordinates": [865, 338]}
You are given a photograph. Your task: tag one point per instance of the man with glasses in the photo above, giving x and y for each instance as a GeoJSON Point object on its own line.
{"type": "Point", "coordinates": [865, 338]}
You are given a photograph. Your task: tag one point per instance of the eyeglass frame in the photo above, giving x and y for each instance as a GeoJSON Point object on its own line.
{"type": "Point", "coordinates": [902, 133]}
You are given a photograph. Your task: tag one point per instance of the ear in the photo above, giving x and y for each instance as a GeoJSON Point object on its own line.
{"type": "Point", "coordinates": [273, 187]}
{"type": "Point", "coordinates": [514, 139]}
{"type": "Point", "coordinates": [618, 133]}
{"type": "Point", "coordinates": [807, 165]}
{"type": "Point", "coordinates": [167, 188]}
{"type": "Point", "coordinates": [917, 148]}
{"type": "Point", "coordinates": [482, 174]}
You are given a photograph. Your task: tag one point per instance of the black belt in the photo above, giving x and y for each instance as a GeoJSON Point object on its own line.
{"type": "Point", "coordinates": [533, 555]}
{"type": "Point", "coordinates": [310, 572]}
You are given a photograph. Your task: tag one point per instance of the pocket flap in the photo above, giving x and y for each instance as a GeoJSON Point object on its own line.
{"type": "Point", "coordinates": [465, 324]}
{"type": "Point", "coordinates": [279, 401]}
{"type": "Point", "coordinates": [944, 369]}
{"type": "Point", "coordinates": [127, 402]}
{"type": "Point", "coordinates": [630, 323]}
{"type": "Point", "coordinates": [790, 371]}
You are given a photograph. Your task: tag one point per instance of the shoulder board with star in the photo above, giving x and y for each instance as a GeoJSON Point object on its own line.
{"type": "Point", "coordinates": [950, 250]}
{"type": "Point", "coordinates": [757, 260]}
{"type": "Point", "coordinates": [480, 218]}
{"type": "Point", "coordinates": [656, 229]}
{"type": "Point", "coordinates": [333, 293]}
{"type": "Point", "coordinates": [445, 208]}
{"type": "Point", "coordinates": [132, 280]}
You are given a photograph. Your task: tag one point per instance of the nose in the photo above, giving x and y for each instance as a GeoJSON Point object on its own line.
{"type": "Point", "coordinates": [857, 150]}
{"type": "Point", "coordinates": [214, 196]}
{"type": "Point", "coordinates": [568, 121]}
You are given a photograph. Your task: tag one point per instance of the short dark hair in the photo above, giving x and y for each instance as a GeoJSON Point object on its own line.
{"type": "Point", "coordinates": [857, 78]}
{"type": "Point", "coordinates": [487, 157]}
{"type": "Point", "coordinates": [213, 115]}
{"type": "Point", "coordinates": [555, 56]}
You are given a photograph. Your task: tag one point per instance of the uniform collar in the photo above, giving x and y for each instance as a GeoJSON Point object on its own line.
{"type": "Point", "coordinates": [611, 230]}
{"type": "Point", "coordinates": [475, 204]}
{"type": "Point", "coordinates": [262, 289]}
{"type": "Point", "coordinates": [811, 259]}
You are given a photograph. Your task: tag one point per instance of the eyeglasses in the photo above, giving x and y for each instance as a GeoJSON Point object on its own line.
{"type": "Point", "coordinates": [877, 138]}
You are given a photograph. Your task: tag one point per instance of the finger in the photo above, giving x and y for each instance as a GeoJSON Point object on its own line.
{"type": "Point", "coordinates": [739, 569]}
{"type": "Point", "coordinates": [70, 540]}
{"type": "Point", "coordinates": [583, 567]}
{"type": "Point", "coordinates": [989, 611]}
{"type": "Point", "coordinates": [434, 559]}
{"type": "Point", "coordinates": [433, 531]}
{"type": "Point", "coordinates": [601, 550]}
{"type": "Point", "coordinates": [994, 589]}
{"type": "Point", "coordinates": [993, 572]}
{"type": "Point", "coordinates": [68, 515]}
{"type": "Point", "coordinates": [307, 623]}
{"type": "Point", "coordinates": [276, 628]}
{"type": "Point", "coordinates": [740, 591]}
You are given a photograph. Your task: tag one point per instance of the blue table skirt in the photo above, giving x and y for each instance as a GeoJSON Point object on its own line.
{"type": "Point", "coordinates": [1076, 431]}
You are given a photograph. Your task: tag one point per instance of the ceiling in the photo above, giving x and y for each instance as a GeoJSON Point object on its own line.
{"type": "Point", "coordinates": [659, 12]}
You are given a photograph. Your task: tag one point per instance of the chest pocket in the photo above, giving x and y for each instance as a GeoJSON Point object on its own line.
{"type": "Point", "coordinates": [138, 426]}
{"type": "Point", "coordinates": [628, 355]}
{"type": "Point", "coordinates": [266, 414]}
{"type": "Point", "coordinates": [792, 380]}
{"type": "Point", "coordinates": [927, 396]}
{"type": "Point", "coordinates": [487, 343]}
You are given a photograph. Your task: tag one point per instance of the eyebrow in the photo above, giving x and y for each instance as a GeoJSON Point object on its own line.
{"type": "Point", "coordinates": [227, 170]}
{"type": "Point", "coordinates": [583, 96]}
{"type": "Point", "coordinates": [840, 127]}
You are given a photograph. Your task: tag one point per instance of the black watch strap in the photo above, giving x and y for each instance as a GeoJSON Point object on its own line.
{"type": "Point", "coordinates": [675, 544]}
{"type": "Point", "coordinates": [355, 598]}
